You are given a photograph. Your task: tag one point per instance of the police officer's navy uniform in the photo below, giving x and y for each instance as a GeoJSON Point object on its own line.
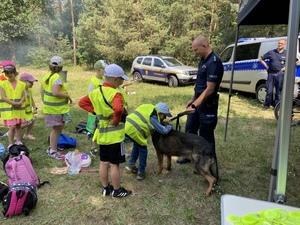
{"type": "Point", "coordinates": [205, 119]}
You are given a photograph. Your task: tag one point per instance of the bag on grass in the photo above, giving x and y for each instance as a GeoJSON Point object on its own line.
{"type": "Point", "coordinates": [3, 191]}
{"type": "Point", "coordinates": [19, 169]}
{"type": "Point", "coordinates": [21, 198]}
{"type": "Point", "coordinates": [64, 141]}
{"type": "Point", "coordinates": [13, 151]}
{"type": "Point", "coordinates": [91, 123]}
{"type": "Point", "coordinates": [85, 159]}
{"type": "Point", "coordinates": [81, 128]}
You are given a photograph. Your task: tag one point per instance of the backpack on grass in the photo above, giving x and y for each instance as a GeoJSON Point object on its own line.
{"type": "Point", "coordinates": [21, 198]}
{"type": "Point", "coordinates": [19, 169]}
{"type": "Point", "coordinates": [64, 141]}
{"type": "Point", "coordinates": [81, 128]}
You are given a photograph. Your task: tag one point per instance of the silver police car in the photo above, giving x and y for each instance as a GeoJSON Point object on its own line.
{"type": "Point", "coordinates": [162, 68]}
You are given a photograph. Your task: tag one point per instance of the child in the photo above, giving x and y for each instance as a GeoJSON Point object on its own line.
{"type": "Point", "coordinates": [92, 84]}
{"type": "Point", "coordinates": [12, 107]}
{"type": "Point", "coordinates": [138, 127]}
{"type": "Point", "coordinates": [56, 101]}
{"type": "Point", "coordinates": [107, 103]}
{"type": "Point", "coordinates": [30, 107]}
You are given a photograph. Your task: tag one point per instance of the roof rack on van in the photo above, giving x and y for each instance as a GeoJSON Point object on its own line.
{"type": "Point", "coordinates": [250, 39]}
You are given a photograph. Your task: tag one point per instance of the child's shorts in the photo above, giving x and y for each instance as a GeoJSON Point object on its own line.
{"type": "Point", "coordinates": [54, 120]}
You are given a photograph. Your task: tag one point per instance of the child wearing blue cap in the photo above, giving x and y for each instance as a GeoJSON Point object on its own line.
{"type": "Point", "coordinates": [138, 127]}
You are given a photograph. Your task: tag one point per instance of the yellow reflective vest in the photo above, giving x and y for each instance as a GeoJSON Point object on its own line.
{"type": "Point", "coordinates": [52, 104]}
{"type": "Point", "coordinates": [95, 81]}
{"type": "Point", "coordinates": [124, 97]}
{"type": "Point", "coordinates": [106, 134]}
{"type": "Point", "coordinates": [138, 126]}
{"type": "Point", "coordinates": [8, 112]}
{"type": "Point", "coordinates": [28, 105]}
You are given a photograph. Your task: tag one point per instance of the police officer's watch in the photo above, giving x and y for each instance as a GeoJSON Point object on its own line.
{"type": "Point", "coordinates": [193, 106]}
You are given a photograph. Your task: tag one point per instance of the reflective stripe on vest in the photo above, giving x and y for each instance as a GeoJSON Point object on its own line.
{"type": "Point", "coordinates": [138, 126]}
{"type": "Point", "coordinates": [52, 104]}
{"type": "Point", "coordinates": [107, 134]}
{"type": "Point", "coordinates": [28, 105]}
{"type": "Point", "coordinates": [8, 112]}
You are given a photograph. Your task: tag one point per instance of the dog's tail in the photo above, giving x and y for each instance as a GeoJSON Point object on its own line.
{"type": "Point", "coordinates": [214, 169]}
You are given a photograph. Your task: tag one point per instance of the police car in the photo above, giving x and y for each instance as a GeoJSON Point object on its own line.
{"type": "Point", "coordinates": [162, 68]}
{"type": "Point", "coordinates": [249, 74]}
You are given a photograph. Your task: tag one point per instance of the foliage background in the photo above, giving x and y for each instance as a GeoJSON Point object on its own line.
{"type": "Point", "coordinates": [32, 31]}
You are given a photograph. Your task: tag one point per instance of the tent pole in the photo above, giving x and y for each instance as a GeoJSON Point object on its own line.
{"type": "Point", "coordinates": [286, 102]}
{"type": "Point", "coordinates": [273, 170]}
{"type": "Point", "coordinates": [231, 80]}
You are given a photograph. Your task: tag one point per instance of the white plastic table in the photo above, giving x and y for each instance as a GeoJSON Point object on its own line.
{"type": "Point", "coordinates": [240, 206]}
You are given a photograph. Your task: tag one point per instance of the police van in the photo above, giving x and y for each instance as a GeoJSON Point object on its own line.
{"type": "Point", "coordinates": [249, 74]}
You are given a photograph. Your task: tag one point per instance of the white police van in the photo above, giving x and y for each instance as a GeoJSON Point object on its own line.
{"type": "Point", "coordinates": [249, 74]}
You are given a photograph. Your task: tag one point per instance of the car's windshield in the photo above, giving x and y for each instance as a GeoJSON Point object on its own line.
{"type": "Point", "coordinates": [172, 62]}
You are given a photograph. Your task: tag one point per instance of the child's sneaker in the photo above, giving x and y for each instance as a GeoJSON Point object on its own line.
{"type": "Point", "coordinates": [131, 168]}
{"type": "Point", "coordinates": [121, 192]}
{"type": "Point", "coordinates": [55, 155]}
{"type": "Point", "coordinates": [107, 190]}
{"type": "Point", "coordinates": [94, 152]}
{"type": "Point", "coordinates": [140, 176]}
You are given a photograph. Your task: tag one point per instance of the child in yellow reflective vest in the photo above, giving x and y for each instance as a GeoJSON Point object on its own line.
{"type": "Point", "coordinates": [12, 107]}
{"type": "Point", "coordinates": [30, 107]}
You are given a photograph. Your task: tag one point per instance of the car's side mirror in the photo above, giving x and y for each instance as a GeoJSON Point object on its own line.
{"type": "Point", "coordinates": [163, 66]}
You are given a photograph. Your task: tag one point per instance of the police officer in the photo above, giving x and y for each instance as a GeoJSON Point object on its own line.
{"type": "Point", "coordinates": [205, 98]}
{"type": "Point", "coordinates": [275, 70]}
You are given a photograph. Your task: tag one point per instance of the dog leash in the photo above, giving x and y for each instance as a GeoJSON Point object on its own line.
{"type": "Point", "coordinates": [180, 115]}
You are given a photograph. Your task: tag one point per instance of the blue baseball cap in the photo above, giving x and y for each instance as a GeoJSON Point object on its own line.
{"type": "Point", "coordinates": [113, 70]}
{"type": "Point", "coordinates": [164, 109]}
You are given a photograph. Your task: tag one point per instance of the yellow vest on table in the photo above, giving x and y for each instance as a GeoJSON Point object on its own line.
{"type": "Point", "coordinates": [7, 111]}
{"type": "Point", "coordinates": [52, 104]}
{"type": "Point", "coordinates": [138, 125]}
{"type": "Point", "coordinates": [106, 134]}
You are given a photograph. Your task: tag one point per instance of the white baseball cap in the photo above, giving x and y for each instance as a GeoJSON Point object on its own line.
{"type": "Point", "coordinates": [56, 61]}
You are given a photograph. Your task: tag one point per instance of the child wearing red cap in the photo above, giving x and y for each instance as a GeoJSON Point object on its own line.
{"type": "Point", "coordinates": [30, 107]}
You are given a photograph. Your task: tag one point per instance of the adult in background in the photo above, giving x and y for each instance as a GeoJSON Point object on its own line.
{"type": "Point", "coordinates": [56, 101]}
{"type": "Point", "coordinates": [206, 98]}
{"type": "Point", "coordinates": [275, 71]}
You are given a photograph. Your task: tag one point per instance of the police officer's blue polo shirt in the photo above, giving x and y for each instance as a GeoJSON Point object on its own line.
{"type": "Point", "coordinates": [210, 69]}
{"type": "Point", "coordinates": [277, 60]}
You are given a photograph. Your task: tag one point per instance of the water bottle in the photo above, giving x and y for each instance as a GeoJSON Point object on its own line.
{"type": "Point", "coordinates": [2, 149]}
{"type": "Point", "coordinates": [75, 163]}
{"type": "Point", "coordinates": [67, 117]}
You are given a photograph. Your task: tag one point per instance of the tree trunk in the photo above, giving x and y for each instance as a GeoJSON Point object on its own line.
{"type": "Point", "coordinates": [73, 33]}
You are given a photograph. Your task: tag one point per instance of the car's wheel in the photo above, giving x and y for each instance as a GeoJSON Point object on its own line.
{"type": "Point", "coordinates": [137, 77]}
{"type": "Point", "coordinates": [173, 82]}
{"type": "Point", "coordinates": [261, 93]}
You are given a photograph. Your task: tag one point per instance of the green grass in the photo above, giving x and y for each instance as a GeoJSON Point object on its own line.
{"type": "Point", "coordinates": [174, 197]}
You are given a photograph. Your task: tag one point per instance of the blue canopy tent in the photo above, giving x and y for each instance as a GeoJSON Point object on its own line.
{"type": "Point", "coordinates": [268, 12]}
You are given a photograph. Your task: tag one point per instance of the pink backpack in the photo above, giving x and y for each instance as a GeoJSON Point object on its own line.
{"type": "Point", "coordinates": [19, 169]}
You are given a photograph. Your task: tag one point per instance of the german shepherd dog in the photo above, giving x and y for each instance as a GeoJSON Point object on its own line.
{"type": "Point", "coordinates": [192, 146]}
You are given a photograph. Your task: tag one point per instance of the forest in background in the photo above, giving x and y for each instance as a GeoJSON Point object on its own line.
{"type": "Point", "coordinates": [84, 31]}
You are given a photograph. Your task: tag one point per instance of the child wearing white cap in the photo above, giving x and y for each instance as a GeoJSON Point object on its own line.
{"type": "Point", "coordinates": [138, 127]}
{"type": "Point", "coordinates": [30, 107]}
{"type": "Point", "coordinates": [92, 84]}
{"type": "Point", "coordinates": [107, 104]}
